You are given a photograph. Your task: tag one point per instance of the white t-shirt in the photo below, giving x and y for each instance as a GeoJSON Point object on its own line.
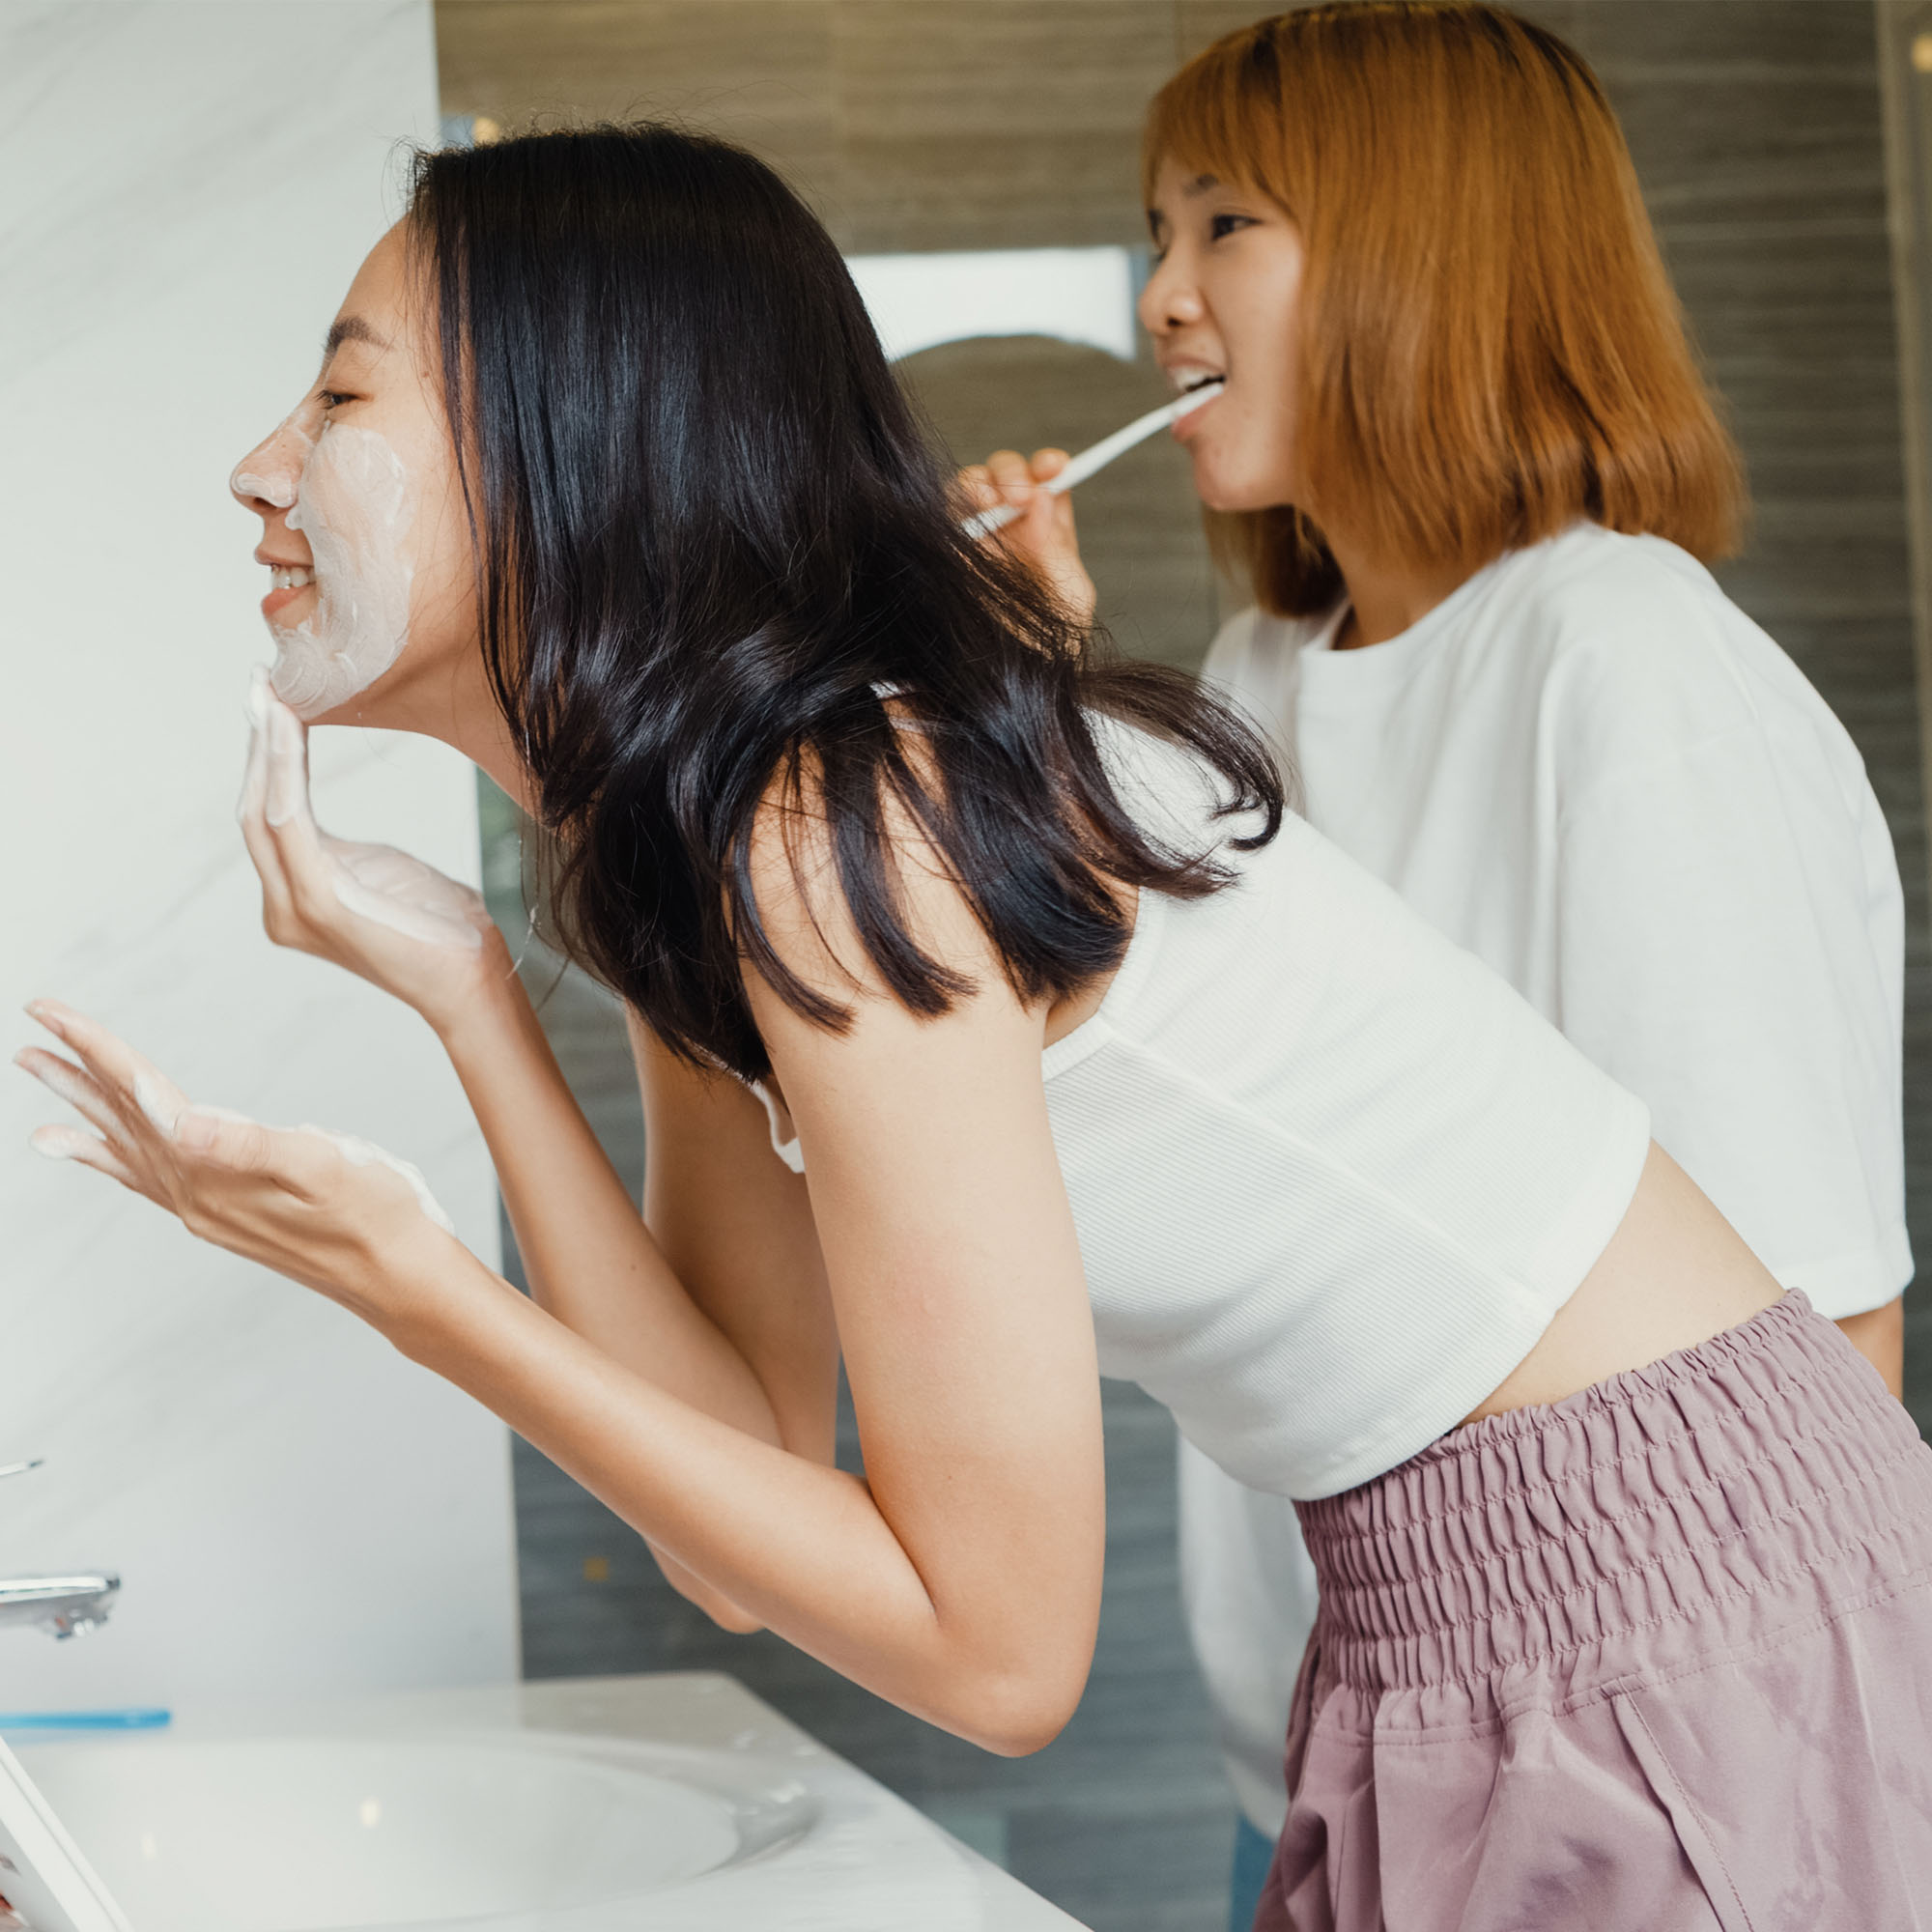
{"type": "Point", "coordinates": [1592, 770]}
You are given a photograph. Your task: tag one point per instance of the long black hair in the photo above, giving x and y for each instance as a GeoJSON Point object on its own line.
{"type": "Point", "coordinates": [715, 551]}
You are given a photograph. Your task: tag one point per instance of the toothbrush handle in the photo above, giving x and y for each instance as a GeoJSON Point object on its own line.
{"type": "Point", "coordinates": [1082, 466]}
{"type": "Point", "coordinates": [1079, 467]}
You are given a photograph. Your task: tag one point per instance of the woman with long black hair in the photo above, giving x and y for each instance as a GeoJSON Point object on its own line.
{"type": "Point", "coordinates": [996, 1027]}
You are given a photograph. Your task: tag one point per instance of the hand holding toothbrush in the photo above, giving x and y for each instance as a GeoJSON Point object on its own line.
{"type": "Point", "coordinates": [1041, 534]}
{"type": "Point", "coordinates": [1008, 494]}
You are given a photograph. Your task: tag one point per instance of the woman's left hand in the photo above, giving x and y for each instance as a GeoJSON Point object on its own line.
{"type": "Point", "coordinates": [325, 1209]}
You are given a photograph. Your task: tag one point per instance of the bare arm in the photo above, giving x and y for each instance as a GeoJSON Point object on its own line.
{"type": "Point", "coordinates": [590, 1259]}
{"type": "Point", "coordinates": [961, 1579]}
{"type": "Point", "coordinates": [1879, 1336]}
{"type": "Point", "coordinates": [717, 1294]}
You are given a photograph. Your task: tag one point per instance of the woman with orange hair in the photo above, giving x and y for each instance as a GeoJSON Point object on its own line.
{"type": "Point", "coordinates": [1467, 460]}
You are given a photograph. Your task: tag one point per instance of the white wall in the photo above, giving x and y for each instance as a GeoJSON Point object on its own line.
{"type": "Point", "coordinates": [1078, 295]}
{"type": "Point", "coordinates": [184, 193]}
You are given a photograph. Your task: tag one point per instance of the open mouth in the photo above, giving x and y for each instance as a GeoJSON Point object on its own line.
{"type": "Point", "coordinates": [286, 584]}
{"type": "Point", "coordinates": [1186, 378]}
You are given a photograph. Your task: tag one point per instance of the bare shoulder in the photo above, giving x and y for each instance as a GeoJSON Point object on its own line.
{"type": "Point", "coordinates": [855, 917]}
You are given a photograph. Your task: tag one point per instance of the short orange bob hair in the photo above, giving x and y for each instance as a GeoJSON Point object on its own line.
{"type": "Point", "coordinates": [1490, 346]}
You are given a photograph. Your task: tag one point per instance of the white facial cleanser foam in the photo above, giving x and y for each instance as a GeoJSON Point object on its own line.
{"type": "Point", "coordinates": [166, 1109]}
{"type": "Point", "coordinates": [359, 1153]}
{"type": "Point", "coordinates": [355, 503]}
{"type": "Point", "coordinates": [353, 1149]}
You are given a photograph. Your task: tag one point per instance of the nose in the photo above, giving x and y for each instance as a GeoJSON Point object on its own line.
{"type": "Point", "coordinates": [267, 479]}
{"type": "Point", "coordinates": [1170, 299]}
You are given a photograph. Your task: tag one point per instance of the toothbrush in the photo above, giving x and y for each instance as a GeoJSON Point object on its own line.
{"type": "Point", "coordinates": [1078, 469]}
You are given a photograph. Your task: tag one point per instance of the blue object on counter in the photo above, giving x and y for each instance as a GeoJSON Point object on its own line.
{"type": "Point", "coordinates": [135, 1718]}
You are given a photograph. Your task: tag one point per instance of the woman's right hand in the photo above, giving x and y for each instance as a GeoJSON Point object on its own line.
{"type": "Point", "coordinates": [386, 917]}
{"type": "Point", "coordinates": [1042, 535]}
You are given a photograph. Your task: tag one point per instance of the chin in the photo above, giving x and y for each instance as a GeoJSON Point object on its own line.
{"type": "Point", "coordinates": [363, 706]}
{"type": "Point", "coordinates": [1234, 502]}
{"type": "Point", "coordinates": [1231, 496]}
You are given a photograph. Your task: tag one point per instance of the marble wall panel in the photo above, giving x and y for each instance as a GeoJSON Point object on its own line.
{"type": "Point", "coordinates": [184, 193]}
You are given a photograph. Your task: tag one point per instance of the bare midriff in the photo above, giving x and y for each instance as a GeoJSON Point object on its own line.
{"type": "Point", "coordinates": [1675, 1273]}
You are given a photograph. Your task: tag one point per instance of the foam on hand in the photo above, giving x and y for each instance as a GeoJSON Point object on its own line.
{"type": "Point", "coordinates": [375, 882]}
{"type": "Point", "coordinates": [359, 1153]}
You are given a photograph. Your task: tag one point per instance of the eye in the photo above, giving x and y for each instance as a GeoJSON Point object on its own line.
{"type": "Point", "coordinates": [332, 397]}
{"type": "Point", "coordinates": [1220, 226]}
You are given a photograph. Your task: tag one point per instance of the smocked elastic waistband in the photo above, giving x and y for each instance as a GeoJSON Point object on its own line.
{"type": "Point", "coordinates": [1706, 1475]}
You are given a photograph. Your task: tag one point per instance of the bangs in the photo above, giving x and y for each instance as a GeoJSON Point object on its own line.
{"type": "Point", "coordinates": [1220, 116]}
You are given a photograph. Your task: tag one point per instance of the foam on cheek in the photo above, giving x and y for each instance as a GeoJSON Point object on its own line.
{"type": "Point", "coordinates": [355, 504]}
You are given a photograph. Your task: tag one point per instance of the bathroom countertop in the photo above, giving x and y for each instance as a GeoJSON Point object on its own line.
{"type": "Point", "coordinates": [871, 1863]}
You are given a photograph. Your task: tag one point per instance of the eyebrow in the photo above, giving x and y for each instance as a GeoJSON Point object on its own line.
{"type": "Point", "coordinates": [1201, 185]}
{"type": "Point", "coordinates": [349, 328]}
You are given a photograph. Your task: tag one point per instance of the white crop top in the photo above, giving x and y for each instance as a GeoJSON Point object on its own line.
{"type": "Point", "coordinates": [1332, 1176]}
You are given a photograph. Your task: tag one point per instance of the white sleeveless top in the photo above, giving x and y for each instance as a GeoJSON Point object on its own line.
{"type": "Point", "coordinates": [1332, 1176]}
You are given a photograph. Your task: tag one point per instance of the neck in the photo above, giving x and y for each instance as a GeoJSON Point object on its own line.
{"type": "Point", "coordinates": [1384, 599]}
{"type": "Point", "coordinates": [461, 712]}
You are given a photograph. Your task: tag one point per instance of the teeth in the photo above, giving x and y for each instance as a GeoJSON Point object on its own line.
{"type": "Point", "coordinates": [290, 576]}
{"type": "Point", "coordinates": [1192, 377]}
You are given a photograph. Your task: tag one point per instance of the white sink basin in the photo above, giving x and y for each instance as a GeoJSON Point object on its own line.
{"type": "Point", "coordinates": [327, 1833]}
{"type": "Point", "coordinates": [676, 1803]}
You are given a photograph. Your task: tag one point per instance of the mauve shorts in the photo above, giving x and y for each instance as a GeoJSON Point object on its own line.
{"type": "Point", "coordinates": [1652, 1658]}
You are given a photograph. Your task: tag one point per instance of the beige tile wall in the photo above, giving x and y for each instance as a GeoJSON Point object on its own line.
{"type": "Point", "coordinates": [910, 124]}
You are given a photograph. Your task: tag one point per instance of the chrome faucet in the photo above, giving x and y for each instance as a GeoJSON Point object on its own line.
{"type": "Point", "coordinates": [66, 1605]}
